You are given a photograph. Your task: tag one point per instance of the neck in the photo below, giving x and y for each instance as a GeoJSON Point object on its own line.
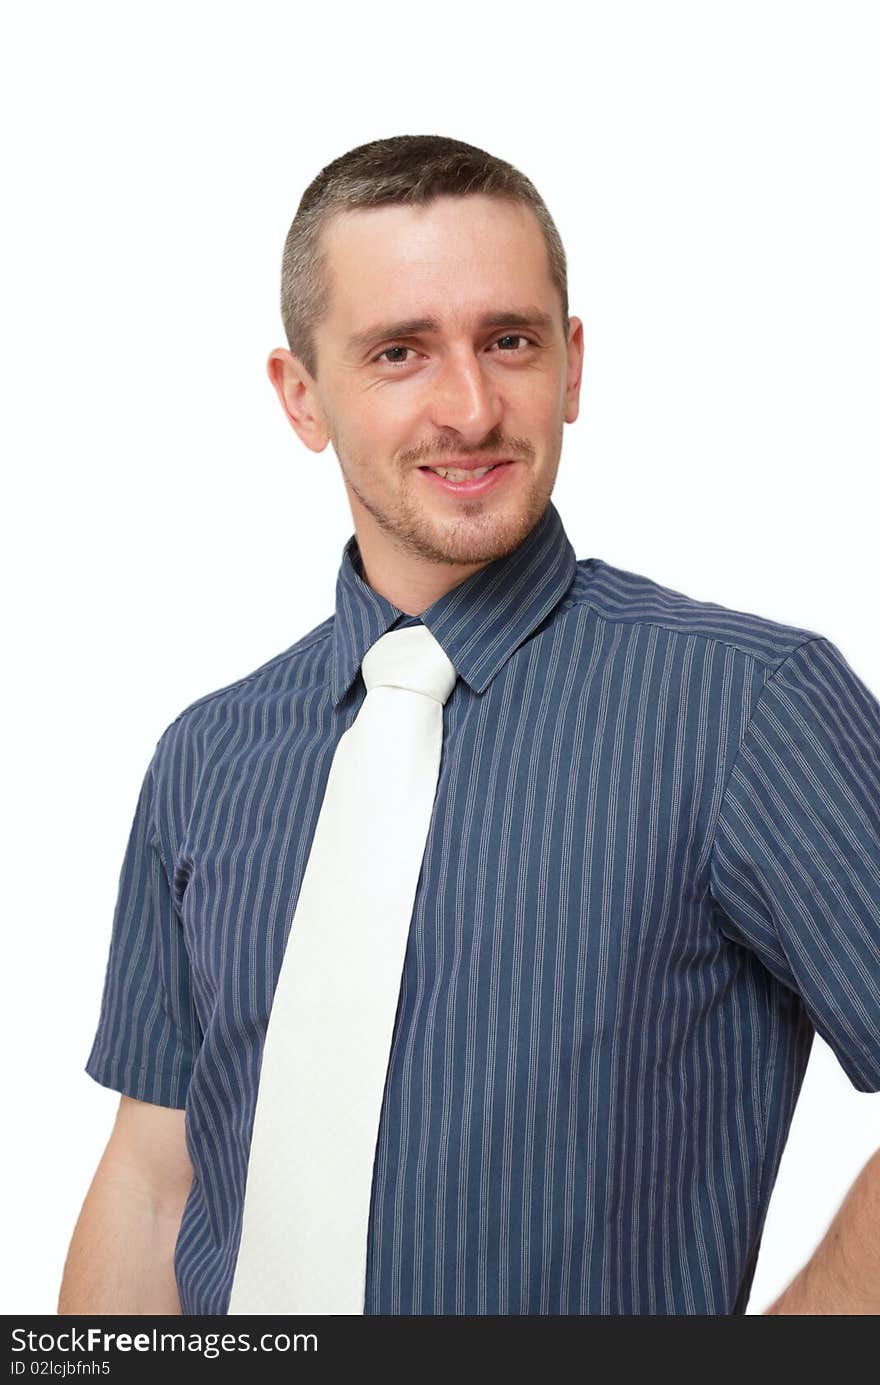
{"type": "Point", "coordinates": [400, 573]}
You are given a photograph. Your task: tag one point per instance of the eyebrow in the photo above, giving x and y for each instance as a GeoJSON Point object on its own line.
{"type": "Point", "coordinates": [408, 327]}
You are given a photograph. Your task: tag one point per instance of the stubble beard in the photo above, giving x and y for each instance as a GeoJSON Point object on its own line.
{"type": "Point", "coordinates": [477, 531]}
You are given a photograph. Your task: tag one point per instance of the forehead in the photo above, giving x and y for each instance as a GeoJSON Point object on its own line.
{"type": "Point", "coordinates": [451, 256]}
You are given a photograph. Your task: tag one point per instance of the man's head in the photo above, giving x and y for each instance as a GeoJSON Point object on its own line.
{"type": "Point", "coordinates": [425, 305]}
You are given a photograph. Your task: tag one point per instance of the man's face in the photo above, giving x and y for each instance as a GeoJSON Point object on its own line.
{"type": "Point", "coordinates": [494, 377]}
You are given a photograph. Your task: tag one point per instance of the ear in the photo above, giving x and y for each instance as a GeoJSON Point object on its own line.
{"type": "Point", "coordinates": [297, 391]}
{"type": "Point", "coordinates": [575, 368]}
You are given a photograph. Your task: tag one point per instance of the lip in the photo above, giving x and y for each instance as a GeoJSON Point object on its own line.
{"type": "Point", "coordinates": [478, 487]}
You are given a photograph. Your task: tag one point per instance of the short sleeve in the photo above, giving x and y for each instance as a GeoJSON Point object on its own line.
{"type": "Point", "coordinates": [148, 1033]}
{"type": "Point", "coordinates": [795, 862]}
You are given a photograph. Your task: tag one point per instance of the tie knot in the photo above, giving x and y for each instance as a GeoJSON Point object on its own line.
{"type": "Point", "coordinates": [409, 658]}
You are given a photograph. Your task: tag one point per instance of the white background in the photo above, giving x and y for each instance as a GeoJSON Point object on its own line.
{"type": "Point", "coordinates": [712, 168]}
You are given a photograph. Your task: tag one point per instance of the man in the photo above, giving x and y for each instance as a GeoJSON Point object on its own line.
{"type": "Point", "coordinates": [652, 869]}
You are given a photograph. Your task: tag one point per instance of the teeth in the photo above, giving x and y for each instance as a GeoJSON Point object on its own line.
{"type": "Point", "coordinates": [457, 474]}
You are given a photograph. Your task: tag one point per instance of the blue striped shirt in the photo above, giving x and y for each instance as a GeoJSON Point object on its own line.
{"type": "Point", "coordinates": [652, 874]}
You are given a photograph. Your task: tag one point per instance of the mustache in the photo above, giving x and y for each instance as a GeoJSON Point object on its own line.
{"type": "Point", "coordinates": [494, 450]}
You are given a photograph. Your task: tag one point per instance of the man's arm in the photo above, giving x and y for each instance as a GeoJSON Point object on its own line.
{"type": "Point", "coordinates": [121, 1255]}
{"type": "Point", "coordinates": [843, 1275]}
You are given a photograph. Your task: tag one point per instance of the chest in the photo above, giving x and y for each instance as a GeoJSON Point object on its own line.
{"type": "Point", "coordinates": [563, 854]}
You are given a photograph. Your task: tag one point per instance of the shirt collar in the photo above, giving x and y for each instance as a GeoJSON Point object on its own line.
{"type": "Point", "coordinates": [479, 623]}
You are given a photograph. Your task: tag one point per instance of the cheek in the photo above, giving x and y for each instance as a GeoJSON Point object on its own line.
{"type": "Point", "coordinates": [536, 405]}
{"type": "Point", "coordinates": [386, 419]}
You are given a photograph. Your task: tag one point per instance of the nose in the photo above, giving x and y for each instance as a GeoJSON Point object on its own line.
{"type": "Point", "coordinates": [464, 396]}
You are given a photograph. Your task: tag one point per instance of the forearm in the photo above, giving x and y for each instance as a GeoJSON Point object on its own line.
{"type": "Point", "coordinates": [121, 1254]}
{"type": "Point", "coordinates": [843, 1275]}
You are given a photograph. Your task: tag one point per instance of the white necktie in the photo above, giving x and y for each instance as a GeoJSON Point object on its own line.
{"type": "Point", "coordinates": [309, 1180]}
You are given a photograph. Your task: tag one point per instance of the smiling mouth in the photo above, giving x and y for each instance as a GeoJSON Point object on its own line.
{"type": "Point", "coordinates": [454, 473]}
{"type": "Point", "coordinates": [474, 481]}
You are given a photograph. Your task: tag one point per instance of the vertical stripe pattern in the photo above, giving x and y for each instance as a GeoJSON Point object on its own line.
{"type": "Point", "coordinates": [652, 874]}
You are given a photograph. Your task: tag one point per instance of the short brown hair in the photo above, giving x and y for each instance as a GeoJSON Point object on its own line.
{"type": "Point", "coordinates": [402, 169]}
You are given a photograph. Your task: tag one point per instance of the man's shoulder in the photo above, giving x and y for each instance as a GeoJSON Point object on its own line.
{"type": "Point", "coordinates": [273, 678]}
{"type": "Point", "coordinates": [620, 595]}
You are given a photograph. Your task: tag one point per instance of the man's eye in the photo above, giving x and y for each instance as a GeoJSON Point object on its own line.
{"type": "Point", "coordinates": [512, 336]}
{"type": "Point", "coordinates": [393, 348]}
